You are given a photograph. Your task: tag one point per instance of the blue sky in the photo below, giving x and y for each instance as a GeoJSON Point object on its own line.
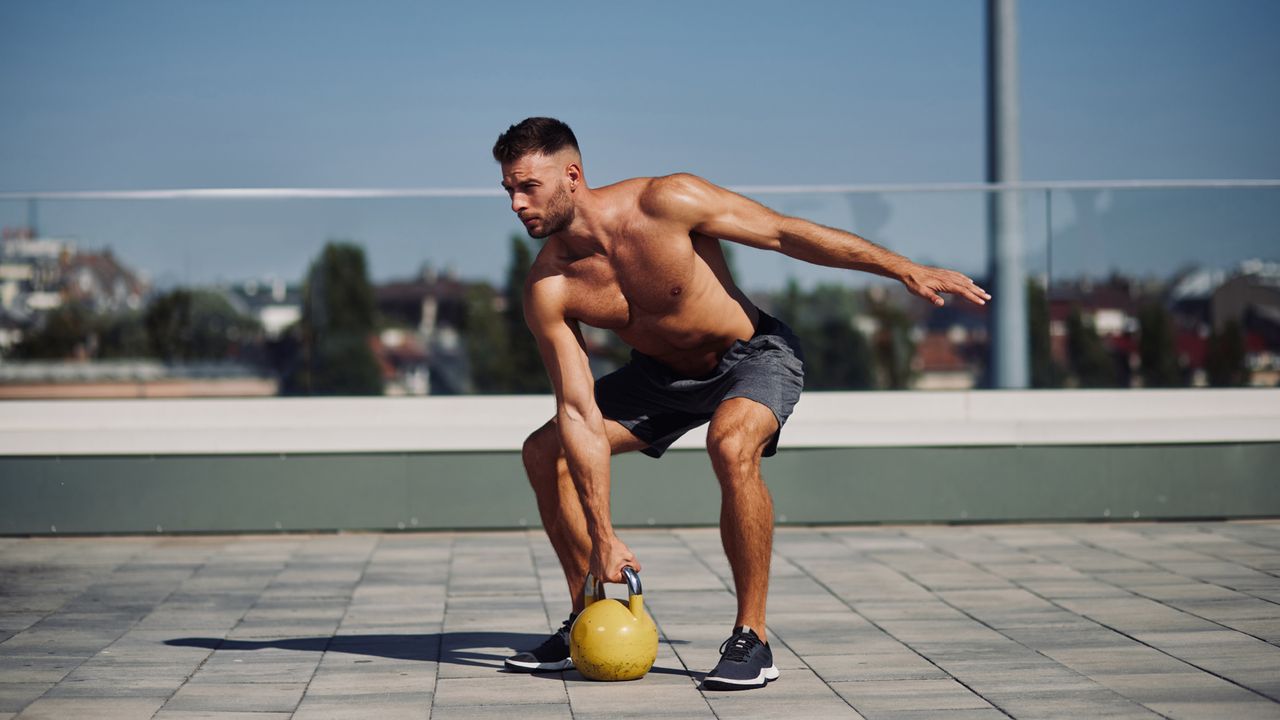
{"type": "Point", "coordinates": [132, 95]}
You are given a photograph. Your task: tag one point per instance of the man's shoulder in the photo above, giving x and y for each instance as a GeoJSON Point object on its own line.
{"type": "Point", "coordinates": [546, 275]}
{"type": "Point", "coordinates": [544, 296]}
{"type": "Point", "coordinates": [672, 195]}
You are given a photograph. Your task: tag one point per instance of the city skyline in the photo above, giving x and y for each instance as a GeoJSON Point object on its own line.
{"type": "Point", "coordinates": [1094, 233]}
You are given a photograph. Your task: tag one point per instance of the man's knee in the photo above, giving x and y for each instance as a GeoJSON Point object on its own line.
{"type": "Point", "coordinates": [736, 458]}
{"type": "Point", "coordinates": [540, 452]}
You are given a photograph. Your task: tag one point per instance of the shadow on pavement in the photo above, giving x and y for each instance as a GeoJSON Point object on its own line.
{"type": "Point", "coordinates": [457, 648]}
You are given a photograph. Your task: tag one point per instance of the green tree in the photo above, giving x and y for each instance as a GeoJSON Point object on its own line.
{"type": "Point", "coordinates": [893, 347]}
{"type": "Point", "coordinates": [837, 357]}
{"type": "Point", "coordinates": [1045, 373]}
{"type": "Point", "coordinates": [1156, 348]}
{"type": "Point", "coordinates": [1225, 357]}
{"type": "Point", "coordinates": [338, 319]}
{"type": "Point", "coordinates": [526, 373]}
{"type": "Point", "coordinates": [486, 340]}
{"type": "Point", "coordinates": [185, 325]}
{"type": "Point", "coordinates": [788, 306]}
{"type": "Point", "coordinates": [124, 335]}
{"type": "Point", "coordinates": [66, 331]}
{"type": "Point", "coordinates": [837, 354]}
{"type": "Point", "coordinates": [501, 350]}
{"type": "Point", "coordinates": [1090, 362]}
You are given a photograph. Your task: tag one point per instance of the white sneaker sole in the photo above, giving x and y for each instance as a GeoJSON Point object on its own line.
{"type": "Point", "coordinates": [557, 666]}
{"type": "Point", "coordinates": [765, 677]}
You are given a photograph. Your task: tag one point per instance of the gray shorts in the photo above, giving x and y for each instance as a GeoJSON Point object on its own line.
{"type": "Point", "coordinates": [658, 405]}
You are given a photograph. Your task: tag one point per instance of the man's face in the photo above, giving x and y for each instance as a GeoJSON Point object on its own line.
{"type": "Point", "coordinates": [539, 189]}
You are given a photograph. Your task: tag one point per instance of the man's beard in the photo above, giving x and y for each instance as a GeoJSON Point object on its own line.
{"type": "Point", "coordinates": [558, 216]}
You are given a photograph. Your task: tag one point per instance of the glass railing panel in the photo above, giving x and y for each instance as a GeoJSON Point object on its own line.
{"type": "Point", "coordinates": [160, 296]}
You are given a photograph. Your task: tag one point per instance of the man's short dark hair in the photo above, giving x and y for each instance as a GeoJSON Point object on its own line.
{"type": "Point", "coordinates": [531, 136]}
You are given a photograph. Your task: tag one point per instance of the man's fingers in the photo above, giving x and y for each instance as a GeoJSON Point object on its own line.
{"type": "Point", "coordinates": [951, 282]}
{"type": "Point", "coordinates": [975, 297]}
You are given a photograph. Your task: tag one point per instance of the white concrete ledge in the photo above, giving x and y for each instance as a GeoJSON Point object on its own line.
{"type": "Point", "coordinates": [442, 424]}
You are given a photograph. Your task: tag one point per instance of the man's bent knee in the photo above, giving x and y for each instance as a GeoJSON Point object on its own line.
{"type": "Point", "coordinates": [735, 457]}
{"type": "Point", "coordinates": [540, 451]}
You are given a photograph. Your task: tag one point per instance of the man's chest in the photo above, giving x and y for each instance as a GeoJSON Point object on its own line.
{"type": "Point", "coordinates": [633, 284]}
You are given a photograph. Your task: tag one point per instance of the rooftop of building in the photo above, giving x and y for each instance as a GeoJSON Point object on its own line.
{"type": "Point", "coordinates": [894, 622]}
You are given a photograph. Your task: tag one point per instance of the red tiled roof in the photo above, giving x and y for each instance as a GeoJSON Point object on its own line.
{"type": "Point", "coordinates": [936, 353]}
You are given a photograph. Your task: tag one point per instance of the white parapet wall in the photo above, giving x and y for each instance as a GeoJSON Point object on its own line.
{"type": "Point", "coordinates": [500, 423]}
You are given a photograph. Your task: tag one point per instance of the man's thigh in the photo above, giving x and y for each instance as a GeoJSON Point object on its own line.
{"type": "Point", "coordinates": [621, 440]}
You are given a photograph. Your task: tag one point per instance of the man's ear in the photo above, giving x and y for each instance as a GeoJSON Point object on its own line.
{"type": "Point", "coordinates": [574, 173]}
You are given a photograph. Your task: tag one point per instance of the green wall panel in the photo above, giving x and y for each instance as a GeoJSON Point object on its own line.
{"type": "Point", "coordinates": [475, 490]}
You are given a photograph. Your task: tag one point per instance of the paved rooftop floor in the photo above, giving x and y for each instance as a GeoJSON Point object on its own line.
{"type": "Point", "coordinates": [1123, 620]}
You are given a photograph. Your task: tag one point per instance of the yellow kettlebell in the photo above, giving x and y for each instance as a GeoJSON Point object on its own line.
{"type": "Point", "coordinates": [613, 640]}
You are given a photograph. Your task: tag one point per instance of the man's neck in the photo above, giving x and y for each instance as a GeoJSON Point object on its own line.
{"type": "Point", "coordinates": [586, 234]}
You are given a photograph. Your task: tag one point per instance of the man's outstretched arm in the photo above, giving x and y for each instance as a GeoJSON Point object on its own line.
{"type": "Point", "coordinates": [579, 423]}
{"type": "Point", "coordinates": [714, 211]}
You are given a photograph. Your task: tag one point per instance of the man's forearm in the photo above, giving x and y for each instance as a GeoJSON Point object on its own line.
{"type": "Point", "coordinates": [821, 245]}
{"type": "Point", "coordinates": [586, 450]}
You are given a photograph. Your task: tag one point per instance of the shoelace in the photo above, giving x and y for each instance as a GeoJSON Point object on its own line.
{"type": "Point", "coordinates": [738, 647]}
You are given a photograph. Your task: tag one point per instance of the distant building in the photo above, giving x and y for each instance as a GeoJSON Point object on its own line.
{"type": "Point", "coordinates": [1251, 296]}
{"type": "Point", "coordinates": [404, 361]}
{"type": "Point", "coordinates": [938, 364]}
{"type": "Point", "coordinates": [423, 353]}
{"type": "Point", "coordinates": [272, 302]}
{"type": "Point", "coordinates": [101, 282]}
{"type": "Point", "coordinates": [40, 274]}
{"type": "Point", "coordinates": [30, 273]}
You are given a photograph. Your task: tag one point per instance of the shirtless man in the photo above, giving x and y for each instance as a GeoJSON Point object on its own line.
{"type": "Point", "coordinates": [642, 258]}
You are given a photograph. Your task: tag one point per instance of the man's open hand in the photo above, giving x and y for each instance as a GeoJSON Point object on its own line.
{"type": "Point", "coordinates": [608, 557]}
{"type": "Point", "coordinates": [928, 282]}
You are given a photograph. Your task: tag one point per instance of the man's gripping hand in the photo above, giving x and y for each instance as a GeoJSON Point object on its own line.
{"type": "Point", "coordinates": [608, 557]}
{"type": "Point", "coordinates": [928, 282]}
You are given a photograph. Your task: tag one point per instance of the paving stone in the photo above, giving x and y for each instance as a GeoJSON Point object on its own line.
{"type": "Point", "coordinates": [204, 715]}
{"type": "Point", "coordinates": [364, 682]}
{"type": "Point", "coordinates": [115, 679]}
{"type": "Point", "coordinates": [1191, 710]}
{"type": "Point", "coordinates": [1124, 620]}
{"type": "Point", "coordinates": [252, 697]}
{"type": "Point", "coordinates": [512, 688]}
{"type": "Point", "coordinates": [801, 694]}
{"type": "Point", "coordinates": [876, 696]}
{"type": "Point", "coordinates": [1152, 689]}
{"type": "Point", "coordinates": [1133, 658]}
{"type": "Point", "coordinates": [83, 641]}
{"type": "Point", "coordinates": [1071, 702]}
{"type": "Point", "coordinates": [979, 714]}
{"type": "Point", "coordinates": [903, 665]}
{"type": "Point", "coordinates": [651, 696]}
{"type": "Point", "coordinates": [16, 695]}
{"type": "Point", "coordinates": [98, 708]}
{"type": "Point", "coordinates": [36, 668]}
{"type": "Point", "coordinates": [500, 712]}
{"type": "Point", "coordinates": [388, 705]}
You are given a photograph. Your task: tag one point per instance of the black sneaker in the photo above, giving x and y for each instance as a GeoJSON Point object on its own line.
{"type": "Point", "coordinates": [551, 656]}
{"type": "Point", "coordinates": [745, 662]}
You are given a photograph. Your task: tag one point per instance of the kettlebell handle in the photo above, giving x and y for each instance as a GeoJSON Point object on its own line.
{"type": "Point", "coordinates": [633, 580]}
{"type": "Point", "coordinates": [595, 588]}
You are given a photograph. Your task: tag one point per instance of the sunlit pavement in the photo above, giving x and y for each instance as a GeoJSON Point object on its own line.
{"type": "Point", "coordinates": [981, 621]}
